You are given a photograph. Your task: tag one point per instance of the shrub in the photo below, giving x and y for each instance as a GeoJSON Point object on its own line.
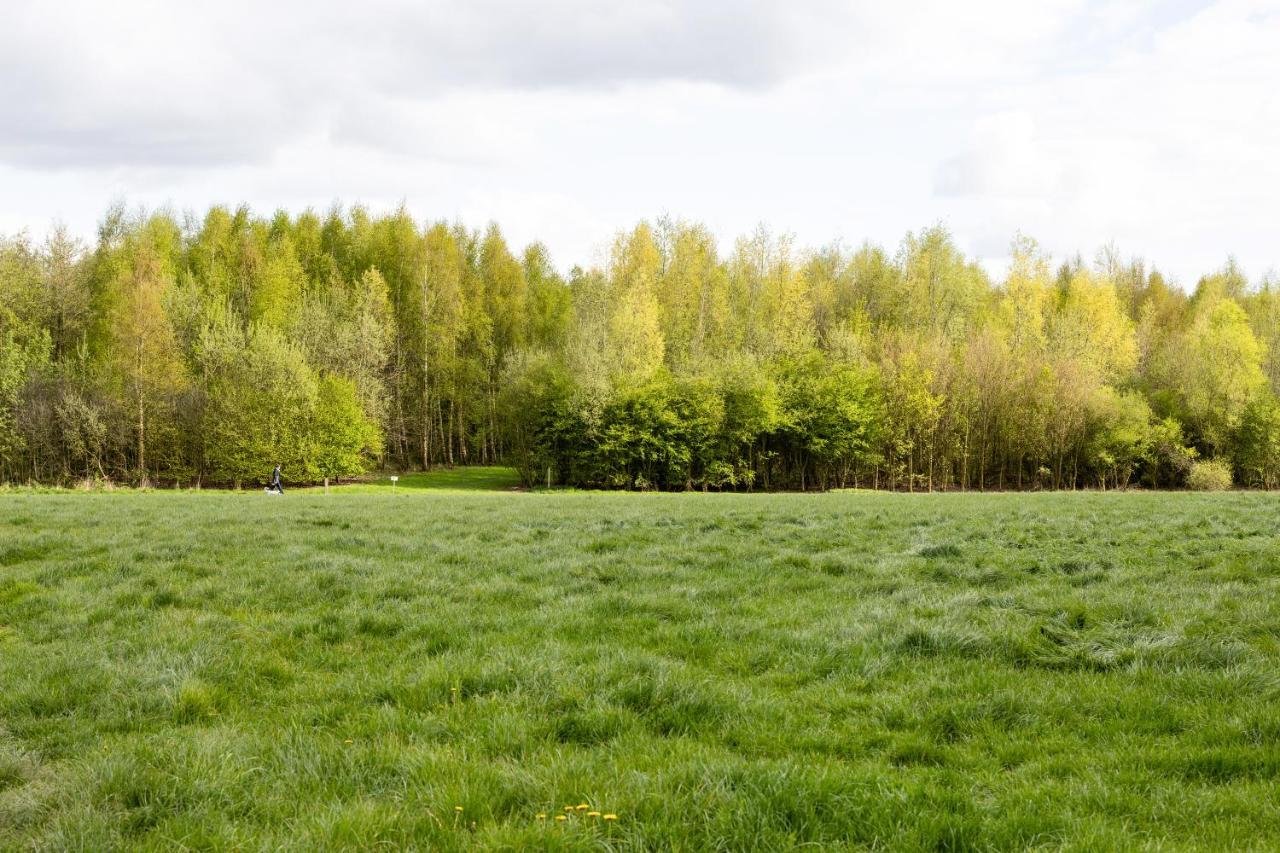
{"type": "Point", "coordinates": [1257, 443]}
{"type": "Point", "coordinates": [1210, 475]}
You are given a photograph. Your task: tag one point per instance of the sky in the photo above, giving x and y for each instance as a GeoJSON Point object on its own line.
{"type": "Point", "coordinates": [1154, 126]}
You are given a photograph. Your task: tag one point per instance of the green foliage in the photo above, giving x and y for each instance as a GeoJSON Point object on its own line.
{"type": "Point", "coordinates": [260, 397]}
{"type": "Point", "coordinates": [341, 438]}
{"type": "Point", "coordinates": [668, 366]}
{"type": "Point", "coordinates": [830, 419]}
{"type": "Point", "coordinates": [265, 406]}
{"type": "Point", "coordinates": [542, 419]}
{"type": "Point", "coordinates": [1123, 436]}
{"type": "Point", "coordinates": [25, 347]}
{"type": "Point", "coordinates": [1209, 475]}
{"type": "Point", "coordinates": [752, 408]}
{"type": "Point", "coordinates": [1170, 458]}
{"type": "Point", "coordinates": [639, 442]}
{"type": "Point", "coordinates": [1222, 372]}
{"type": "Point", "coordinates": [16, 359]}
{"type": "Point", "coordinates": [1257, 443]}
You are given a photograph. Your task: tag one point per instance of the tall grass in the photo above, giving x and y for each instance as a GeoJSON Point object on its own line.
{"type": "Point", "coordinates": [435, 670]}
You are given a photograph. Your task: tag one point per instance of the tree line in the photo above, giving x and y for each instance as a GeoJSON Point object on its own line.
{"type": "Point", "coordinates": [188, 351]}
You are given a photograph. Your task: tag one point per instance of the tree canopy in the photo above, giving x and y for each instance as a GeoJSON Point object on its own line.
{"type": "Point", "coordinates": [205, 350]}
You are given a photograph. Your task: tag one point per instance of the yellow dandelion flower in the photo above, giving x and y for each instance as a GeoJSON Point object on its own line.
{"type": "Point", "coordinates": [611, 817]}
{"type": "Point", "coordinates": [568, 808]}
{"type": "Point", "coordinates": [348, 740]}
{"type": "Point", "coordinates": [582, 807]}
{"type": "Point", "coordinates": [593, 814]}
{"type": "Point", "coordinates": [457, 808]}
{"type": "Point", "coordinates": [561, 817]}
{"type": "Point", "coordinates": [541, 816]}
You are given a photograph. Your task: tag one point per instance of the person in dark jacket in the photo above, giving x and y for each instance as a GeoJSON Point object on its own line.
{"type": "Point", "coordinates": [276, 484]}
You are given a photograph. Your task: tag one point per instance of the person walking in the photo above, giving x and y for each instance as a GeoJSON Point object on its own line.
{"type": "Point", "coordinates": [276, 483]}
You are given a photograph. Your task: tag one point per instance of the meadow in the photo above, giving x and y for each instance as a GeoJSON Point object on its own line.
{"type": "Point", "coordinates": [444, 669]}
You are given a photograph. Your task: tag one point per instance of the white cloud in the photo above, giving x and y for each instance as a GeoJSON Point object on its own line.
{"type": "Point", "coordinates": [1168, 147]}
{"type": "Point", "coordinates": [1006, 160]}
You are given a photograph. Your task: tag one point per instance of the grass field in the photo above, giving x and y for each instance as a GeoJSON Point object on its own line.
{"type": "Point", "coordinates": [435, 669]}
{"type": "Point", "coordinates": [477, 478]}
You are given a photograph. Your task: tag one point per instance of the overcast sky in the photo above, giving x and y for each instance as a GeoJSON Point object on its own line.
{"type": "Point", "coordinates": [1155, 125]}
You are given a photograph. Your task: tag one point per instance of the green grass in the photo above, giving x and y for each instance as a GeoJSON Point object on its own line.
{"type": "Point", "coordinates": [946, 672]}
{"type": "Point", "coordinates": [475, 478]}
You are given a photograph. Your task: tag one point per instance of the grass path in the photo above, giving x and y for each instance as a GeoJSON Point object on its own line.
{"type": "Point", "coordinates": [946, 672]}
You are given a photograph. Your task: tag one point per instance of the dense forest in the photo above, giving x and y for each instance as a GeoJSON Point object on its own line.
{"type": "Point", "coordinates": [201, 351]}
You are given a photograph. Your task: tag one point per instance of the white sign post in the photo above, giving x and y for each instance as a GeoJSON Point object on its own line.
{"type": "Point", "coordinates": [393, 484]}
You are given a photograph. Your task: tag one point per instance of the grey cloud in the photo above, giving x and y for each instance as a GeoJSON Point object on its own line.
{"type": "Point", "coordinates": [229, 85]}
{"type": "Point", "coordinates": [67, 138]}
{"type": "Point", "coordinates": [575, 43]}
{"type": "Point", "coordinates": [103, 91]}
{"type": "Point", "coordinates": [72, 133]}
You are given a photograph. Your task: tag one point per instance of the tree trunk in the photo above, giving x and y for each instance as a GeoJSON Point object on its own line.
{"type": "Point", "coordinates": [426, 415]}
{"type": "Point", "coordinates": [142, 418]}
